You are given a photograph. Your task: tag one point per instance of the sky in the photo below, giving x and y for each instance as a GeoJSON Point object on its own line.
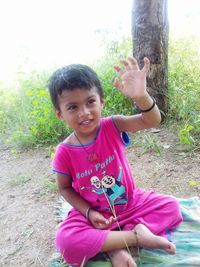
{"type": "Point", "coordinates": [39, 34]}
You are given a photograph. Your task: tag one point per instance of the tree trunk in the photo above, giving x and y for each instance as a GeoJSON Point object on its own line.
{"type": "Point", "coordinates": [150, 33]}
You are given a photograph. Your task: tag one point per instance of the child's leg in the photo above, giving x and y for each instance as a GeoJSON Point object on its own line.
{"type": "Point", "coordinates": [147, 239]}
{"type": "Point", "coordinates": [121, 258]}
{"type": "Point", "coordinates": [77, 240]}
{"type": "Point", "coordinates": [140, 236]}
{"type": "Point", "coordinates": [158, 212]}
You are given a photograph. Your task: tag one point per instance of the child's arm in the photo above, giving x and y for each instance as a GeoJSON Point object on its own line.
{"type": "Point", "coordinates": [76, 201]}
{"type": "Point", "coordinates": [133, 85]}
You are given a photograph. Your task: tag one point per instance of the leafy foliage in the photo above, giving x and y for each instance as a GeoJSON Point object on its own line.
{"type": "Point", "coordinates": [27, 114]}
{"type": "Point", "coordinates": [185, 136]}
{"type": "Point", "coordinates": [184, 89]}
{"type": "Point", "coordinates": [28, 119]}
{"type": "Point", "coordinates": [115, 102]}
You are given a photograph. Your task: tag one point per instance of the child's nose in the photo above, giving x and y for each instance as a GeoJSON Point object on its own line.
{"type": "Point", "coordinates": [84, 111]}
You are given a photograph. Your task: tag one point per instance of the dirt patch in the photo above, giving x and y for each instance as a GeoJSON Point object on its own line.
{"type": "Point", "coordinates": [28, 197]}
{"type": "Point", "coordinates": [26, 208]}
{"type": "Point", "coordinates": [175, 171]}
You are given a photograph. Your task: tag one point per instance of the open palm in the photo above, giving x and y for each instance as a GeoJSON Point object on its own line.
{"type": "Point", "coordinates": [132, 81]}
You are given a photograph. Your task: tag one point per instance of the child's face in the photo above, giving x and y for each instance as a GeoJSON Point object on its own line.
{"type": "Point", "coordinates": [81, 109]}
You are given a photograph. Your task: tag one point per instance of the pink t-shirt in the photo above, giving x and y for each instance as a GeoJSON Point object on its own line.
{"type": "Point", "coordinates": [107, 179]}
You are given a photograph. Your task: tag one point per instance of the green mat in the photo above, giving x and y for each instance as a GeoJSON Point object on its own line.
{"type": "Point", "coordinates": [186, 237]}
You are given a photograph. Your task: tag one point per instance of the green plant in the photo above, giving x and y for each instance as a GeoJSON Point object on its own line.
{"type": "Point", "coordinates": [184, 80]}
{"type": "Point", "coordinates": [147, 142]}
{"type": "Point", "coordinates": [27, 115]}
{"type": "Point", "coordinates": [19, 180]}
{"type": "Point", "coordinates": [185, 136]}
{"type": "Point", "coordinates": [50, 185]}
{"type": "Point", "coordinates": [43, 124]}
{"type": "Point", "coordinates": [115, 102]}
{"type": "Point", "coordinates": [28, 119]}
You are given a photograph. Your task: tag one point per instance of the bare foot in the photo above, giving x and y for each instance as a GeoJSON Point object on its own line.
{"type": "Point", "coordinates": [121, 258]}
{"type": "Point", "coordinates": [147, 239]}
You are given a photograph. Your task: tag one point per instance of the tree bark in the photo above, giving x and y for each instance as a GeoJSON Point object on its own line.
{"type": "Point", "coordinates": [150, 34]}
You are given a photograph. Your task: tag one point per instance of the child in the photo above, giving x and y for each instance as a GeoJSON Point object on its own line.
{"type": "Point", "coordinates": [93, 173]}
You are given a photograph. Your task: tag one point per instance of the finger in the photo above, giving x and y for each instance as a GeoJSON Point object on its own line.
{"type": "Point", "coordinates": [118, 70]}
{"type": "Point", "coordinates": [133, 62]}
{"type": "Point", "coordinates": [100, 226]}
{"type": "Point", "coordinates": [146, 65]}
{"type": "Point", "coordinates": [113, 220]}
{"type": "Point", "coordinates": [110, 220]}
{"type": "Point", "coordinates": [126, 64]}
{"type": "Point", "coordinates": [118, 84]}
{"type": "Point", "coordinates": [102, 220]}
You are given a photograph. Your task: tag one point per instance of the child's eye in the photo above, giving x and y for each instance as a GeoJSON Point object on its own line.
{"type": "Point", "coordinates": [72, 107]}
{"type": "Point", "coordinates": [91, 101]}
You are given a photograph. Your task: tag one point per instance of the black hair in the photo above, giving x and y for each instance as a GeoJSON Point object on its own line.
{"type": "Point", "coordinates": [72, 77]}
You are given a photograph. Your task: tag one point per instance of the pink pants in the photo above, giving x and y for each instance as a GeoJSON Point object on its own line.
{"type": "Point", "coordinates": [77, 240]}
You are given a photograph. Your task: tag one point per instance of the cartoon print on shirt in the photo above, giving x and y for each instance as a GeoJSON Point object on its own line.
{"type": "Point", "coordinates": [95, 182]}
{"type": "Point", "coordinates": [114, 189]}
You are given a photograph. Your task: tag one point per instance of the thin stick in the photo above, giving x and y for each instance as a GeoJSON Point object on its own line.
{"type": "Point", "coordinates": [112, 207]}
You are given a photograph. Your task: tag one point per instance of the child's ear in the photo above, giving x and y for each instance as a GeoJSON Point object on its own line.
{"type": "Point", "coordinates": [102, 103]}
{"type": "Point", "coordinates": [58, 114]}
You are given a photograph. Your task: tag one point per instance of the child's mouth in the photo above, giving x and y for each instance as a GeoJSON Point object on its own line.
{"type": "Point", "coordinates": [85, 122]}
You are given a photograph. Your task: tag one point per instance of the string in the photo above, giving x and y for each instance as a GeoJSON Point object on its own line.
{"type": "Point", "coordinates": [81, 144]}
{"type": "Point", "coordinates": [112, 207]}
{"type": "Point", "coordinates": [92, 157]}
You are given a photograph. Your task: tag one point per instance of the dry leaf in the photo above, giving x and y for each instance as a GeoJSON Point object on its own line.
{"type": "Point", "coordinates": [192, 182]}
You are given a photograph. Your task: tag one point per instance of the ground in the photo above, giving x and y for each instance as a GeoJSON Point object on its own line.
{"type": "Point", "coordinates": [28, 196]}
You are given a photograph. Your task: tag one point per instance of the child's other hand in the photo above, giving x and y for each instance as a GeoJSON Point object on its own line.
{"type": "Point", "coordinates": [133, 80]}
{"type": "Point", "coordinates": [99, 221]}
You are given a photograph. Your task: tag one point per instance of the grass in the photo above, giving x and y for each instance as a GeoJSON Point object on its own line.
{"type": "Point", "coordinates": [147, 142]}
{"type": "Point", "coordinates": [184, 90]}
{"type": "Point", "coordinates": [50, 185]}
{"type": "Point", "coordinates": [28, 120]}
{"type": "Point", "coordinates": [19, 180]}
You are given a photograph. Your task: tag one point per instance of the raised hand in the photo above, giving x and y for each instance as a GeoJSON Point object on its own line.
{"type": "Point", "coordinates": [132, 81]}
